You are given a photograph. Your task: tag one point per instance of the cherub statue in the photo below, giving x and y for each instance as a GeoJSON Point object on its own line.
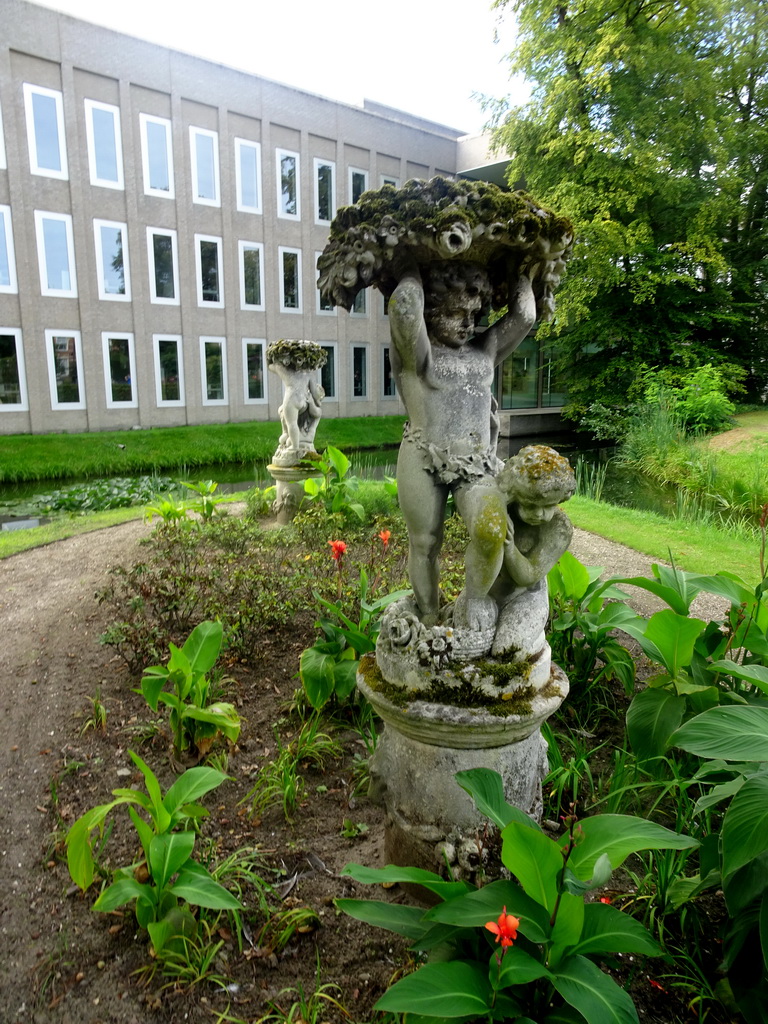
{"type": "Point", "coordinates": [444, 373]}
{"type": "Point", "coordinates": [295, 363]}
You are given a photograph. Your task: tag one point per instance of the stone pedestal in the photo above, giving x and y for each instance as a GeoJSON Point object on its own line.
{"type": "Point", "coordinates": [430, 819]}
{"type": "Point", "coordinates": [289, 486]}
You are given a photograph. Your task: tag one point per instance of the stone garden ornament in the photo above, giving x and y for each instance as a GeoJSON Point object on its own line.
{"type": "Point", "coordinates": [468, 684]}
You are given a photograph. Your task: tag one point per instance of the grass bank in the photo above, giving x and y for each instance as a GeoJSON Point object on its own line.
{"type": "Point", "coordinates": [128, 452]}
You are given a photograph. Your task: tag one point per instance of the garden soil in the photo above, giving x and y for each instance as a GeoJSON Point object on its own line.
{"type": "Point", "coordinates": [60, 963]}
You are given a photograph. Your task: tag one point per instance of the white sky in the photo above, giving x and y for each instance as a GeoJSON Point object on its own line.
{"type": "Point", "coordinates": [424, 56]}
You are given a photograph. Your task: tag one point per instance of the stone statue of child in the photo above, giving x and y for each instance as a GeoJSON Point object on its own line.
{"type": "Point", "coordinates": [444, 373]}
{"type": "Point", "coordinates": [533, 483]}
{"type": "Point", "coordinates": [300, 410]}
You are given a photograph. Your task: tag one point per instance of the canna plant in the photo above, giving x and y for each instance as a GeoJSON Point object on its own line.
{"type": "Point", "coordinates": [195, 720]}
{"type": "Point", "coordinates": [336, 489]}
{"type": "Point", "coordinates": [167, 880]}
{"type": "Point", "coordinates": [520, 950]}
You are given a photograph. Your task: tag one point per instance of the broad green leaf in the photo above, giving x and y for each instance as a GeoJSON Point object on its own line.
{"type": "Point", "coordinates": [574, 576]}
{"type": "Point", "coordinates": [608, 930]}
{"type": "Point", "coordinates": [487, 790]}
{"type": "Point", "coordinates": [203, 645]}
{"type": "Point", "coordinates": [456, 989]}
{"type": "Point", "coordinates": [757, 674]}
{"type": "Point", "coordinates": [744, 833]}
{"type": "Point", "coordinates": [167, 853]}
{"type": "Point", "coordinates": [732, 733]}
{"type": "Point", "coordinates": [152, 682]}
{"type": "Point", "coordinates": [674, 636]}
{"type": "Point", "coordinates": [120, 892]}
{"type": "Point", "coordinates": [345, 678]}
{"type": "Point", "coordinates": [729, 587]}
{"type": "Point", "coordinates": [221, 714]}
{"type": "Point", "coordinates": [517, 968]}
{"type": "Point", "coordinates": [652, 717]}
{"type": "Point", "coordinates": [317, 676]}
{"type": "Point", "coordinates": [763, 925]}
{"type": "Point", "coordinates": [393, 873]}
{"type": "Point", "coordinates": [595, 995]}
{"type": "Point", "coordinates": [535, 860]}
{"type": "Point", "coordinates": [145, 832]}
{"type": "Point", "coordinates": [476, 908]}
{"type": "Point", "coordinates": [78, 840]}
{"type": "Point", "coordinates": [395, 917]}
{"type": "Point", "coordinates": [189, 787]}
{"type": "Point", "coordinates": [160, 816]}
{"type": "Point", "coordinates": [569, 925]}
{"type": "Point", "coordinates": [338, 460]}
{"type": "Point", "coordinates": [201, 890]}
{"type": "Point", "coordinates": [744, 886]}
{"type": "Point", "coordinates": [618, 835]}
{"type": "Point", "coordinates": [677, 601]}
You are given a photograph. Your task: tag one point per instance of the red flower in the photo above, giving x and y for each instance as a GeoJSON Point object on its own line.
{"type": "Point", "coordinates": [656, 984]}
{"type": "Point", "coordinates": [604, 899]}
{"type": "Point", "coordinates": [338, 547]}
{"type": "Point", "coordinates": [385, 535]}
{"type": "Point", "coordinates": [505, 928]}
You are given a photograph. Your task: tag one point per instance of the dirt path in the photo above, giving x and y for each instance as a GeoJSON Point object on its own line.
{"type": "Point", "coordinates": [51, 663]}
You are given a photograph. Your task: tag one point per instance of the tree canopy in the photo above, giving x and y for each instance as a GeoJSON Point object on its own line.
{"type": "Point", "coordinates": [648, 127]}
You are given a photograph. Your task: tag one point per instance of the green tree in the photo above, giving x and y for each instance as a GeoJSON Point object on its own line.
{"type": "Point", "coordinates": [648, 126]}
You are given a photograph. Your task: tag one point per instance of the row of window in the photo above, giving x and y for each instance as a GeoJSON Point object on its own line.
{"type": "Point", "coordinates": [64, 358]}
{"type": "Point", "coordinates": [58, 277]}
{"type": "Point", "coordinates": [46, 140]}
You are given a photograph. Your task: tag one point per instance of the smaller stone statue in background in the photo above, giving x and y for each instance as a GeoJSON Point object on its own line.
{"type": "Point", "coordinates": [296, 363]}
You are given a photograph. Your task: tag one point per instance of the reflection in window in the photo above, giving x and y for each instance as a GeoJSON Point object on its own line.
{"type": "Point", "coordinates": [287, 184]}
{"type": "Point", "coordinates": [248, 175]}
{"type": "Point", "coordinates": [162, 266]}
{"type": "Point", "coordinates": [388, 385]}
{"type": "Point", "coordinates": [328, 372]}
{"type": "Point", "coordinates": [112, 265]}
{"type": "Point", "coordinates": [105, 155]}
{"type": "Point", "coordinates": [12, 391]}
{"type": "Point", "coordinates": [205, 166]}
{"type": "Point", "coordinates": [157, 155]}
{"type": "Point", "coordinates": [45, 131]}
{"type": "Point", "coordinates": [214, 380]}
{"type": "Point", "coordinates": [254, 371]}
{"type": "Point", "coordinates": [168, 364]}
{"type": "Point", "coordinates": [55, 254]}
{"type": "Point", "coordinates": [324, 191]}
{"type": "Point", "coordinates": [8, 282]}
{"type": "Point", "coordinates": [358, 183]}
{"type": "Point", "coordinates": [119, 370]}
{"type": "Point", "coordinates": [359, 371]}
{"type": "Point", "coordinates": [359, 306]}
{"type": "Point", "coordinates": [250, 275]}
{"type": "Point", "coordinates": [554, 390]}
{"type": "Point", "coordinates": [519, 377]}
{"type": "Point", "coordinates": [290, 280]}
{"type": "Point", "coordinates": [64, 362]}
{"type": "Point", "coordinates": [209, 289]}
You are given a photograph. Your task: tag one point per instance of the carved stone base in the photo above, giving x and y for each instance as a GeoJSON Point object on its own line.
{"type": "Point", "coordinates": [289, 487]}
{"type": "Point", "coordinates": [431, 821]}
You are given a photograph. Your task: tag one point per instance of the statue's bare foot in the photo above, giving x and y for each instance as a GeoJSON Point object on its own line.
{"type": "Point", "coordinates": [479, 613]}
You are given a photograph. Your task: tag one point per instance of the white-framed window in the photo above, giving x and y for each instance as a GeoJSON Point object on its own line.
{"type": "Point", "coordinates": [112, 265]}
{"type": "Point", "coordinates": [210, 286]}
{"type": "Point", "coordinates": [157, 156]}
{"type": "Point", "coordinates": [388, 385]}
{"type": "Point", "coordinates": [289, 261]}
{"type": "Point", "coordinates": [119, 370]}
{"type": "Point", "coordinates": [327, 373]}
{"type": "Point", "coordinates": [288, 184]}
{"type": "Point", "coordinates": [360, 305]}
{"type": "Point", "coordinates": [358, 183]}
{"type": "Point", "coordinates": [325, 191]}
{"type": "Point", "coordinates": [248, 175]}
{"type": "Point", "coordinates": [251, 261]}
{"type": "Point", "coordinates": [3, 161]}
{"type": "Point", "coordinates": [44, 110]}
{"type": "Point", "coordinates": [8, 280]}
{"type": "Point", "coordinates": [388, 179]}
{"type": "Point", "coordinates": [169, 369]}
{"type": "Point", "coordinates": [323, 305]}
{"type": "Point", "coordinates": [204, 152]}
{"type": "Point", "coordinates": [254, 372]}
{"type": "Point", "coordinates": [64, 353]}
{"type": "Point", "coordinates": [213, 370]}
{"type": "Point", "coordinates": [13, 377]}
{"type": "Point", "coordinates": [163, 259]}
{"type": "Point", "coordinates": [56, 254]}
{"type": "Point", "coordinates": [105, 147]}
{"type": "Point", "coordinates": [359, 371]}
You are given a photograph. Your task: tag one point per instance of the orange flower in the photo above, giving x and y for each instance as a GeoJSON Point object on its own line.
{"type": "Point", "coordinates": [385, 535]}
{"type": "Point", "coordinates": [505, 928]}
{"type": "Point", "coordinates": [338, 547]}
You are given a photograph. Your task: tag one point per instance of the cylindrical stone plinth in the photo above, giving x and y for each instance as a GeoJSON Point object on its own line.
{"type": "Point", "coordinates": [289, 488]}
